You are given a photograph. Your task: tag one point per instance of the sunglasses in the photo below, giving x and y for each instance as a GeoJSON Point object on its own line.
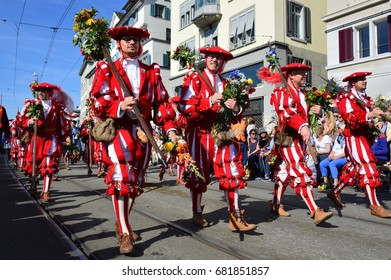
{"type": "Point", "coordinates": [130, 38]}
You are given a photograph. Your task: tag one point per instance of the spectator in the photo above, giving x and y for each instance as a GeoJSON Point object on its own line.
{"type": "Point", "coordinates": [330, 125]}
{"type": "Point", "coordinates": [264, 155]}
{"type": "Point", "coordinates": [253, 155]}
{"type": "Point", "coordinates": [334, 161]}
{"type": "Point", "coordinates": [380, 147]}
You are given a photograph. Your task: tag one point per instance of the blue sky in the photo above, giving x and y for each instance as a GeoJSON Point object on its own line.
{"type": "Point", "coordinates": [29, 44]}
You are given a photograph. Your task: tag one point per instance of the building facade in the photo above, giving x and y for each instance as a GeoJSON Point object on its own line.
{"type": "Point", "coordinates": [359, 39]}
{"type": "Point", "coordinates": [249, 29]}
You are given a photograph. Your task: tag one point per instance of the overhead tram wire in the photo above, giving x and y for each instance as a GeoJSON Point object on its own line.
{"type": "Point", "coordinates": [55, 29]}
{"type": "Point", "coordinates": [16, 50]}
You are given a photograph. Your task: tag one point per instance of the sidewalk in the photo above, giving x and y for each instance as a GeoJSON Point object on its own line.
{"type": "Point", "coordinates": [25, 231]}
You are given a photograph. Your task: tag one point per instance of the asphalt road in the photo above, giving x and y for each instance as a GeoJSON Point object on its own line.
{"type": "Point", "coordinates": [162, 218]}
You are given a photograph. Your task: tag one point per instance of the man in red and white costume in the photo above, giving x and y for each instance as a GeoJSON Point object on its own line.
{"type": "Point", "coordinates": [128, 155]}
{"type": "Point", "coordinates": [361, 168]}
{"type": "Point", "coordinates": [51, 132]}
{"type": "Point", "coordinates": [291, 168]}
{"type": "Point", "coordinates": [201, 105]}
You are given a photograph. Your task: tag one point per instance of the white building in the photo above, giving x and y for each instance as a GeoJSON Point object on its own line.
{"type": "Point", "coordinates": [153, 15]}
{"type": "Point", "coordinates": [358, 39]}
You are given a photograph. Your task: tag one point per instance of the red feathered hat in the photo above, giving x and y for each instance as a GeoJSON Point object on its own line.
{"type": "Point", "coordinates": [295, 66]}
{"type": "Point", "coordinates": [356, 75]}
{"type": "Point", "coordinates": [43, 86]}
{"type": "Point", "coordinates": [117, 32]}
{"type": "Point", "coordinates": [227, 55]}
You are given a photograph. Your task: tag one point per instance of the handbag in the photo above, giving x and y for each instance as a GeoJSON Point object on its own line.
{"type": "Point", "coordinates": [25, 138]}
{"type": "Point", "coordinates": [282, 139]}
{"type": "Point", "coordinates": [104, 131]}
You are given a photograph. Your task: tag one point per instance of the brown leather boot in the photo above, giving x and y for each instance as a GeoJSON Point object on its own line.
{"type": "Point", "coordinates": [336, 198]}
{"type": "Point", "coordinates": [237, 223]}
{"type": "Point", "coordinates": [279, 210]}
{"type": "Point", "coordinates": [198, 219]}
{"type": "Point", "coordinates": [380, 211]}
{"type": "Point", "coordinates": [134, 235]}
{"type": "Point", "coordinates": [320, 216]}
{"type": "Point", "coordinates": [45, 197]}
{"type": "Point", "coordinates": [126, 244]}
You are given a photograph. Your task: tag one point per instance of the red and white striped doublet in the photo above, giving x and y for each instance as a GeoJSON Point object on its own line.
{"type": "Point", "coordinates": [126, 155]}
{"type": "Point", "coordinates": [358, 139]}
{"type": "Point", "coordinates": [292, 113]}
{"type": "Point", "coordinates": [196, 105]}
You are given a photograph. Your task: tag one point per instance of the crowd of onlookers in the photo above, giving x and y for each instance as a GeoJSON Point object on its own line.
{"type": "Point", "coordinates": [328, 141]}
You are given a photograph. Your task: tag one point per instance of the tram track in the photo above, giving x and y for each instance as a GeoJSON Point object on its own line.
{"type": "Point", "coordinates": [152, 222]}
{"type": "Point", "coordinates": [180, 229]}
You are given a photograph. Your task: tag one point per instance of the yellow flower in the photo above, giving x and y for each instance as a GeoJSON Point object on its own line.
{"type": "Point", "coordinates": [169, 146]}
{"type": "Point", "coordinates": [76, 27]}
{"type": "Point", "coordinates": [250, 81]}
{"type": "Point", "coordinates": [89, 21]}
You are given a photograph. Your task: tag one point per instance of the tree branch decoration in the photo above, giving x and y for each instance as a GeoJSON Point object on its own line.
{"type": "Point", "coordinates": [91, 34]}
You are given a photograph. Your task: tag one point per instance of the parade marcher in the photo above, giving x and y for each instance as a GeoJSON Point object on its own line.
{"type": "Point", "coordinates": [356, 110]}
{"type": "Point", "coordinates": [14, 141]}
{"type": "Point", "coordinates": [291, 168]}
{"type": "Point", "coordinates": [128, 154]}
{"type": "Point", "coordinates": [201, 105]}
{"type": "Point", "coordinates": [51, 131]}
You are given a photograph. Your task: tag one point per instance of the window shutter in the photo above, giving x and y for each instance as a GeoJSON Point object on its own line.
{"type": "Point", "coordinates": [389, 32]}
{"type": "Point", "coordinates": [345, 37]}
{"type": "Point", "coordinates": [167, 13]}
{"type": "Point", "coordinates": [165, 60]}
{"type": "Point", "coordinates": [307, 18]}
{"type": "Point", "coordinates": [153, 10]}
{"type": "Point", "coordinates": [289, 18]}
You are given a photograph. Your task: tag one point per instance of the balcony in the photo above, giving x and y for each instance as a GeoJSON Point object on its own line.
{"type": "Point", "coordinates": [206, 13]}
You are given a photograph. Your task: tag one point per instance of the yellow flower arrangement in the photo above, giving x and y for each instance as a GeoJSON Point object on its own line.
{"type": "Point", "coordinates": [178, 147]}
{"type": "Point", "coordinates": [91, 34]}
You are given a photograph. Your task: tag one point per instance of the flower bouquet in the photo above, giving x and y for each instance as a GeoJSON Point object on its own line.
{"type": "Point", "coordinates": [33, 108]}
{"type": "Point", "coordinates": [323, 96]}
{"type": "Point", "coordinates": [184, 55]}
{"type": "Point", "coordinates": [91, 34]}
{"type": "Point", "coordinates": [238, 87]}
{"type": "Point", "coordinates": [178, 147]}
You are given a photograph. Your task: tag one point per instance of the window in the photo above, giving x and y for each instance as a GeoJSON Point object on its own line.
{"type": "Point", "coordinates": [294, 59]}
{"type": "Point", "coordinates": [242, 29]}
{"type": "Point", "coordinates": [383, 37]}
{"type": "Point", "coordinates": [298, 21]}
{"type": "Point", "coordinates": [160, 11]}
{"type": "Point", "coordinates": [345, 37]}
{"type": "Point", "coordinates": [146, 59]}
{"type": "Point", "coordinates": [186, 12]}
{"type": "Point", "coordinates": [367, 39]}
{"type": "Point", "coordinates": [166, 60]}
{"type": "Point", "coordinates": [168, 34]}
{"type": "Point", "coordinates": [133, 19]}
{"type": "Point", "coordinates": [364, 41]}
{"type": "Point", "coordinates": [211, 36]}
